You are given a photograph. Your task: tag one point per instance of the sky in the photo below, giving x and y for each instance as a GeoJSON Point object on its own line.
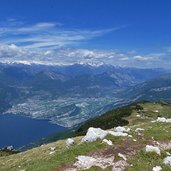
{"type": "Point", "coordinates": [119, 32]}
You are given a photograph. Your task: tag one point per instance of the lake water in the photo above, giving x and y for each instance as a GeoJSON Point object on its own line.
{"type": "Point", "coordinates": [18, 130]}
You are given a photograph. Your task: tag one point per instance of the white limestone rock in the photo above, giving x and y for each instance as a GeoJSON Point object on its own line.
{"type": "Point", "coordinates": [93, 134]}
{"type": "Point", "coordinates": [139, 129]}
{"type": "Point", "coordinates": [118, 134]}
{"type": "Point", "coordinates": [159, 119]}
{"type": "Point", "coordinates": [121, 129]}
{"type": "Point", "coordinates": [69, 142]}
{"type": "Point", "coordinates": [108, 142]}
{"type": "Point", "coordinates": [150, 148]}
{"type": "Point", "coordinates": [157, 168]}
{"type": "Point", "coordinates": [122, 156]}
{"type": "Point", "coordinates": [167, 160]}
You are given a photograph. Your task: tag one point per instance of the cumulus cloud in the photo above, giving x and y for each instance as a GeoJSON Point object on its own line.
{"type": "Point", "coordinates": [13, 53]}
{"type": "Point", "coordinates": [67, 56]}
{"type": "Point", "coordinates": [140, 58]}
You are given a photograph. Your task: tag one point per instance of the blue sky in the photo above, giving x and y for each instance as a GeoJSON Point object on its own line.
{"type": "Point", "coordinates": [132, 32]}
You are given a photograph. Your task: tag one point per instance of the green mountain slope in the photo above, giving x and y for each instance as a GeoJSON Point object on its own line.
{"type": "Point", "coordinates": [125, 115]}
{"type": "Point", "coordinates": [56, 156]}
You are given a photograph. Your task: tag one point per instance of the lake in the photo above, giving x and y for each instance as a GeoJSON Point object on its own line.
{"type": "Point", "coordinates": [17, 130]}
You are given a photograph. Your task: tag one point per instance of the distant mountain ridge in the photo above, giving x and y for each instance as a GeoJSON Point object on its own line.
{"type": "Point", "coordinates": [74, 93]}
{"type": "Point", "coordinates": [155, 89]}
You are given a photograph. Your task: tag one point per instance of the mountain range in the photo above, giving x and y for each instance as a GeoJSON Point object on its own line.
{"type": "Point", "coordinates": [76, 92]}
{"type": "Point", "coordinates": [155, 89]}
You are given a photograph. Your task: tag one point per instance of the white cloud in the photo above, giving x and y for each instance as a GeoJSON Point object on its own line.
{"type": "Point", "coordinates": [36, 28]}
{"type": "Point", "coordinates": [68, 56]}
{"type": "Point", "coordinates": [47, 42]}
{"type": "Point", "coordinates": [46, 34]}
{"type": "Point", "coordinates": [141, 58]}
